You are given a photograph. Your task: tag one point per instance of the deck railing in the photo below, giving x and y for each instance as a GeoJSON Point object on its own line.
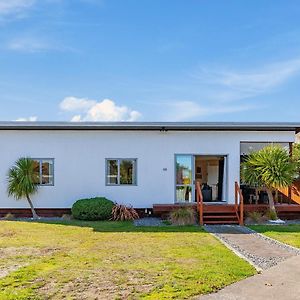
{"type": "Point", "coordinates": [239, 204]}
{"type": "Point", "coordinates": [199, 202]}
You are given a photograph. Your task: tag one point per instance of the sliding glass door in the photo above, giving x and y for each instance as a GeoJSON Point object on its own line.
{"type": "Point", "coordinates": [184, 178]}
{"type": "Point", "coordinates": [209, 170]}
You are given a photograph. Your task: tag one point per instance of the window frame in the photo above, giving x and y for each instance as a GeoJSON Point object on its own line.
{"type": "Point", "coordinates": [41, 160]}
{"type": "Point", "coordinates": [134, 173]}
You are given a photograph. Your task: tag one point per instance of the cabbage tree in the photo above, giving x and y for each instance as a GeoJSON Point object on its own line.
{"type": "Point", "coordinates": [22, 181]}
{"type": "Point", "coordinates": [296, 154]}
{"type": "Point", "coordinates": [270, 169]}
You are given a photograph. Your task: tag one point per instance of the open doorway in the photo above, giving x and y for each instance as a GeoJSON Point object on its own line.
{"type": "Point", "coordinates": [210, 173]}
{"type": "Point", "coordinates": [208, 170]}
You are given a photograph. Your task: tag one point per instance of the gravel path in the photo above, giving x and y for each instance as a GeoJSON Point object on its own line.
{"type": "Point", "coordinates": [261, 251]}
{"type": "Point", "coordinates": [148, 222]}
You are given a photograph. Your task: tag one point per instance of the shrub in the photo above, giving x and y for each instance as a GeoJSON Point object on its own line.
{"type": "Point", "coordinates": [92, 209]}
{"type": "Point", "coordinates": [9, 216]}
{"type": "Point", "coordinates": [271, 215]}
{"type": "Point", "coordinates": [66, 217]}
{"type": "Point", "coordinates": [255, 216]}
{"type": "Point", "coordinates": [166, 222]}
{"type": "Point", "coordinates": [122, 212]}
{"type": "Point", "coordinates": [183, 216]}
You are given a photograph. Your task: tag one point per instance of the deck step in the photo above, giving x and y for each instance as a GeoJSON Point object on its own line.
{"type": "Point", "coordinates": [220, 222]}
{"type": "Point", "coordinates": [219, 212]}
{"type": "Point", "coordinates": [220, 216]}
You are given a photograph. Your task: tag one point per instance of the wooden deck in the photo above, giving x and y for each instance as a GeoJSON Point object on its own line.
{"type": "Point", "coordinates": [224, 213]}
{"type": "Point", "coordinates": [212, 213]}
{"type": "Point", "coordinates": [284, 211]}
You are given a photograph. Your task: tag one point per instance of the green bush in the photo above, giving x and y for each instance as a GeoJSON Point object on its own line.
{"type": "Point", "coordinates": [9, 216]}
{"type": "Point", "coordinates": [255, 216]}
{"type": "Point", "coordinates": [92, 209]}
{"type": "Point", "coordinates": [66, 217]}
{"type": "Point", "coordinates": [183, 216]}
{"type": "Point", "coordinates": [271, 215]}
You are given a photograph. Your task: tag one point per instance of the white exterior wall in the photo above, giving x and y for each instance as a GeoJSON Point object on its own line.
{"type": "Point", "coordinates": [79, 162]}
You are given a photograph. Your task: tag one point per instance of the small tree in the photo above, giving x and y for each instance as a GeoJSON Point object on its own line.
{"type": "Point", "coordinates": [270, 168]}
{"type": "Point", "coordinates": [22, 181]}
{"type": "Point", "coordinates": [296, 155]}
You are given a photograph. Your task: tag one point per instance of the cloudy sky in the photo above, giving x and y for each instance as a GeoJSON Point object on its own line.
{"type": "Point", "coordinates": [150, 60]}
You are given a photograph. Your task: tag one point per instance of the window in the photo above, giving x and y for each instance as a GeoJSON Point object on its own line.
{"type": "Point", "coordinates": [45, 170]}
{"type": "Point", "coordinates": [248, 147]}
{"type": "Point", "coordinates": [121, 171]}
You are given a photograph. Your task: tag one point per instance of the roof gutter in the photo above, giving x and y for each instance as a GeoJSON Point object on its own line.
{"type": "Point", "coordinates": [151, 126]}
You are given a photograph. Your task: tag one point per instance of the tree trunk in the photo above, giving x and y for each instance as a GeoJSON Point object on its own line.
{"type": "Point", "coordinates": [276, 196]}
{"type": "Point", "coordinates": [271, 202]}
{"type": "Point", "coordinates": [256, 196]}
{"type": "Point", "coordinates": [34, 214]}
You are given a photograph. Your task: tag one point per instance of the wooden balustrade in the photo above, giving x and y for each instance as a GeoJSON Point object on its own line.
{"type": "Point", "coordinates": [239, 204]}
{"type": "Point", "coordinates": [199, 202]}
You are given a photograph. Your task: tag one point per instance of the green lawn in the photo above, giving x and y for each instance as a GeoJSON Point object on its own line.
{"type": "Point", "coordinates": [289, 234]}
{"type": "Point", "coordinates": [112, 260]}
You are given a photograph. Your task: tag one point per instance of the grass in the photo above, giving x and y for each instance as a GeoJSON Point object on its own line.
{"type": "Point", "coordinates": [289, 234]}
{"type": "Point", "coordinates": [112, 260]}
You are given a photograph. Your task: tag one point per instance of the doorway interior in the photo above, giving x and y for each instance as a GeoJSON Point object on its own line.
{"type": "Point", "coordinates": [209, 170]}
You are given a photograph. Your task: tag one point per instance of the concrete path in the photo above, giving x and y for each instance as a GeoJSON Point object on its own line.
{"type": "Point", "coordinates": [278, 262]}
{"type": "Point", "coordinates": [277, 283]}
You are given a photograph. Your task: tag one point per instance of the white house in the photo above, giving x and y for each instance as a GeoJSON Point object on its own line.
{"type": "Point", "coordinates": [133, 163]}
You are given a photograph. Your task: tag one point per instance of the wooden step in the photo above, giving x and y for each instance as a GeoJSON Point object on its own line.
{"type": "Point", "coordinates": [233, 216]}
{"type": "Point", "coordinates": [218, 212]}
{"type": "Point", "coordinates": [221, 222]}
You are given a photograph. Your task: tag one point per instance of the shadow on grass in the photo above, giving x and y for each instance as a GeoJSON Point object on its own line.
{"type": "Point", "coordinates": [121, 226]}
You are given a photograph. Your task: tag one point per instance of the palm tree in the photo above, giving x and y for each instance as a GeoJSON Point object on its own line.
{"type": "Point", "coordinates": [270, 168]}
{"type": "Point", "coordinates": [22, 181]}
{"type": "Point", "coordinates": [296, 154]}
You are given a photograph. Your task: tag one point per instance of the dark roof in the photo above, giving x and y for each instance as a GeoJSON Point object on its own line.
{"type": "Point", "coordinates": [161, 126]}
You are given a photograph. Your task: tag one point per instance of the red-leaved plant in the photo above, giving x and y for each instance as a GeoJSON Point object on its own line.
{"type": "Point", "coordinates": [123, 213]}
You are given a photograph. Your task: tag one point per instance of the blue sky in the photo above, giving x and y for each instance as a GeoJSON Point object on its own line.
{"type": "Point", "coordinates": [150, 60]}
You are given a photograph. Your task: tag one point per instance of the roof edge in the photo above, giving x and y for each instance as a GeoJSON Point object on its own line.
{"type": "Point", "coordinates": [160, 126]}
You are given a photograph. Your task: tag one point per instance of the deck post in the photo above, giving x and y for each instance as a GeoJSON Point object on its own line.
{"type": "Point", "coordinates": [290, 188]}
{"type": "Point", "coordinates": [241, 209]}
{"type": "Point", "coordinates": [199, 202]}
{"type": "Point", "coordinates": [239, 203]}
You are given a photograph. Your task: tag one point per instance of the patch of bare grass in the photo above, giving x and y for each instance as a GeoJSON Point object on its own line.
{"type": "Point", "coordinates": [114, 260]}
{"type": "Point", "coordinates": [7, 233]}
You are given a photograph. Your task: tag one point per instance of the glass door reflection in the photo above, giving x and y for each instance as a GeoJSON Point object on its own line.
{"type": "Point", "coordinates": [184, 178]}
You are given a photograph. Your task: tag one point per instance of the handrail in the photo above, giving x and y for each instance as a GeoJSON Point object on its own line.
{"type": "Point", "coordinates": [239, 203]}
{"type": "Point", "coordinates": [236, 204]}
{"type": "Point", "coordinates": [199, 202]}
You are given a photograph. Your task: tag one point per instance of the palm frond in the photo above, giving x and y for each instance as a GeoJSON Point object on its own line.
{"type": "Point", "coordinates": [22, 179]}
{"type": "Point", "coordinates": [270, 167]}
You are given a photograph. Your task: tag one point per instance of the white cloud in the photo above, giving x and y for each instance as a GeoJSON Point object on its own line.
{"type": "Point", "coordinates": [32, 44]}
{"type": "Point", "coordinates": [187, 110]}
{"type": "Point", "coordinates": [8, 7]}
{"type": "Point", "coordinates": [28, 44]}
{"type": "Point", "coordinates": [92, 110]}
{"type": "Point", "coordinates": [29, 119]}
{"type": "Point", "coordinates": [76, 104]}
{"type": "Point", "coordinates": [249, 83]}
{"type": "Point", "coordinates": [76, 118]}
